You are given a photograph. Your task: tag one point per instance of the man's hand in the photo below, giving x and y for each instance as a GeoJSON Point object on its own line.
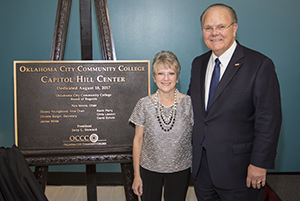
{"type": "Point", "coordinates": [256, 177]}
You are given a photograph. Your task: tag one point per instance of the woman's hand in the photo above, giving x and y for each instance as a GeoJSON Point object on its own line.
{"type": "Point", "coordinates": [137, 186]}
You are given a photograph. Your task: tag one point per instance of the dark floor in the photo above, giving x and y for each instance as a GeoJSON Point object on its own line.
{"type": "Point", "coordinates": [285, 186]}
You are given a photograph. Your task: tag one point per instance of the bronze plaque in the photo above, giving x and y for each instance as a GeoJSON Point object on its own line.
{"type": "Point", "coordinates": [72, 104]}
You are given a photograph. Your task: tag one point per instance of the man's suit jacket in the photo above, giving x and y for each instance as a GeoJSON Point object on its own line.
{"type": "Point", "coordinates": [242, 123]}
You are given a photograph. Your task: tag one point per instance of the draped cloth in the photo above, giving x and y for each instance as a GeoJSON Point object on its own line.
{"type": "Point", "coordinates": [17, 182]}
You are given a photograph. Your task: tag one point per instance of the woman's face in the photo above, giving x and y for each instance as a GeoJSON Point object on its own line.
{"type": "Point", "coordinates": [165, 79]}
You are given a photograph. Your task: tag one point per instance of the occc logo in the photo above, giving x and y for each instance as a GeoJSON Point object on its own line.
{"type": "Point", "coordinates": [84, 138]}
{"type": "Point", "coordinates": [79, 138]}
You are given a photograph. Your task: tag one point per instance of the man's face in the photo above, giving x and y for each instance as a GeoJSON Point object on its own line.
{"type": "Point", "coordinates": [218, 30]}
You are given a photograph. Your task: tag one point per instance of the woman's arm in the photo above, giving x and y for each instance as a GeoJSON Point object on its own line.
{"type": "Point", "coordinates": [137, 185]}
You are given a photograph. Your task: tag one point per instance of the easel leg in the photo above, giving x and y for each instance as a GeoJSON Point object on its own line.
{"type": "Point", "coordinates": [127, 172]}
{"type": "Point", "coordinates": [41, 173]}
{"type": "Point", "coordinates": [91, 182]}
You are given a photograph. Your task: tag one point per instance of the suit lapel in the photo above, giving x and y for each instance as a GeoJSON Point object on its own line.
{"type": "Point", "coordinates": [234, 65]}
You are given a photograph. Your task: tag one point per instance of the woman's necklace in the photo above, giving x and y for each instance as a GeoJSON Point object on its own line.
{"type": "Point", "coordinates": [166, 123]}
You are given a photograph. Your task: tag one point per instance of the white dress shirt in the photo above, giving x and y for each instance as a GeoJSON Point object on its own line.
{"type": "Point", "coordinates": [224, 59]}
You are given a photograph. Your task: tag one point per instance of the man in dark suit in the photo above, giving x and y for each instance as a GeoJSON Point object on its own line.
{"type": "Point", "coordinates": [237, 123]}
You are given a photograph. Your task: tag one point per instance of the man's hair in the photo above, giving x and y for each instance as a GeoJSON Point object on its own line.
{"type": "Point", "coordinates": [220, 5]}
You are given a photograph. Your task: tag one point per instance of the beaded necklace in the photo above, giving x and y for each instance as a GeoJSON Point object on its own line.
{"type": "Point", "coordinates": [166, 123]}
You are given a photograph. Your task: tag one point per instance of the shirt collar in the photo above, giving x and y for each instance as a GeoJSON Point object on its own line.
{"type": "Point", "coordinates": [226, 56]}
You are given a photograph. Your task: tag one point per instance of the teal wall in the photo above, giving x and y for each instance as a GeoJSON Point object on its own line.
{"type": "Point", "coordinates": [141, 28]}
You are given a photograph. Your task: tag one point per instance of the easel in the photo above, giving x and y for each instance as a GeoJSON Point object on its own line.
{"type": "Point", "coordinates": [41, 159]}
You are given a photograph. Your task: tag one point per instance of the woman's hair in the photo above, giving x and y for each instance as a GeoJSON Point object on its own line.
{"type": "Point", "coordinates": [168, 60]}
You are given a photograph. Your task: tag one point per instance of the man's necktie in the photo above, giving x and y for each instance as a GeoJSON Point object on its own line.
{"type": "Point", "coordinates": [213, 85]}
{"type": "Point", "coordinates": [214, 81]}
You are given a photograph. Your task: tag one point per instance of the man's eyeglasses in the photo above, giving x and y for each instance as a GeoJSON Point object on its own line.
{"type": "Point", "coordinates": [219, 28]}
